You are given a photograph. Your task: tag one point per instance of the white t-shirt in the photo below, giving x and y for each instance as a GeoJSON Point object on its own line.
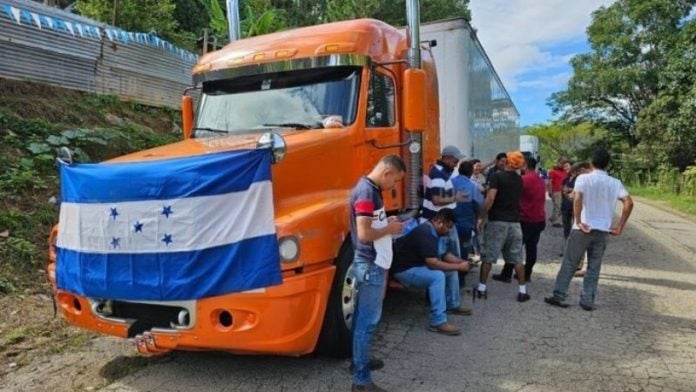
{"type": "Point", "coordinates": [600, 191]}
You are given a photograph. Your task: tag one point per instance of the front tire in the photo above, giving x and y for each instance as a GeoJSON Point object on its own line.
{"type": "Point", "coordinates": [336, 337]}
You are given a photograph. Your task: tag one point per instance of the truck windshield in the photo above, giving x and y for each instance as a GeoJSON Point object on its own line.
{"type": "Point", "coordinates": [299, 99]}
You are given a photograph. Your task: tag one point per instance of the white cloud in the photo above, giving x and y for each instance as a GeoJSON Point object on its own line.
{"type": "Point", "coordinates": [518, 34]}
{"type": "Point", "coordinates": [550, 82]}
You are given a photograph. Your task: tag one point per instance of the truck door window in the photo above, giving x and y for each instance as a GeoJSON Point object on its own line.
{"type": "Point", "coordinates": [380, 101]}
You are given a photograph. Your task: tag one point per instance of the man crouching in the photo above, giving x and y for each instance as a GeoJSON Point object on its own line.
{"type": "Point", "coordinates": [421, 260]}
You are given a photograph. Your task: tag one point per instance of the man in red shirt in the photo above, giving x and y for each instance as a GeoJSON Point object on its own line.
{"type": "Point", "coordinates": [556, 176]}
{"type": "Point", "coordinates": [532, 219]}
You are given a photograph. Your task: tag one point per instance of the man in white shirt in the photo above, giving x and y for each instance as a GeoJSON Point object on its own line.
{"type": "Point", "coordinates": [595, 197]}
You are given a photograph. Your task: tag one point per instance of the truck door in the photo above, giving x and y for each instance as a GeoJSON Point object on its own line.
{"type": "Point", "coordinates": [382, 128]}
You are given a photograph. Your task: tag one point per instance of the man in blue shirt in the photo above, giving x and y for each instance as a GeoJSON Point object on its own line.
{"type": "Point", "coordinates": [467, 207]}
{"type": "Point", "coordinates": [422, 260]}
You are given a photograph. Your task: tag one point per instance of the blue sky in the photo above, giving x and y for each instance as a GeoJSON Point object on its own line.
{"type": "Point", "coordinates": [530, 43]}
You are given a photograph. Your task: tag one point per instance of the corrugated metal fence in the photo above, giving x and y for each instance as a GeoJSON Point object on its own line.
{"type": "Point", "coordinates": [48, 45]}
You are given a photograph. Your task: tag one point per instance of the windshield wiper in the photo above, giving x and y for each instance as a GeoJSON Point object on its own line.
{"type": "Point", "coordinates": [294, 125]}
{"type": "Point", "coordinates": [212, 130]}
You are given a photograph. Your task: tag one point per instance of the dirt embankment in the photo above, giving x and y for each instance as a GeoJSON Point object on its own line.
{"type": "Point", "coordinates": [35, 120]}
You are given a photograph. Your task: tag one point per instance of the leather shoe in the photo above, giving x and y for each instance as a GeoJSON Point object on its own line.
{"type": "Point", "coordinates": [501, 278]}
{"type": "Point", "coordinates": [373, 364]}
{"type": "Point", "coordinates": [445, 329]}
{"type": "Point", "coordinates": [555, 302]}
{"type": "Point", "coordinates": [523, 297]}
{"type": "Point", "coordinates": [460, 311]}
{"type": "Point", "coordinates": [366, 388]}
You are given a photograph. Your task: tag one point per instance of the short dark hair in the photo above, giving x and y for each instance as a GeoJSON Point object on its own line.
{"type": "Point", "coordinates": [475, 161]}
{"type": "Point", "coordinates": [466, 168]}
{"type": "Point", "coordinates": [531, 162]}
{"type": "Point", "coordinates": [501, 156]}
{"type": "Point", "coordinates": [445, 215]}
{"type": "Point", "coordinates": [394, 161]}
{"type": "Point", "coordinates": [600, 159]}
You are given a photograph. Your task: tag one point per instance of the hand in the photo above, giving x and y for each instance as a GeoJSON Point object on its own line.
{"type": "Point", "coordinates": [459, 196]}
{"type": "Point", "coordinates": [479, 224]}
{"type": "Point", "coordinates": [393, 218]}
{"type": "Point", "coordinates": [616, 230]}
{"type": "Point", "coordinates": [584, 227]}
{"type": "Point", "coordinates": [464, 266]}
{"type": "Point", "coordinates": [394, 226]}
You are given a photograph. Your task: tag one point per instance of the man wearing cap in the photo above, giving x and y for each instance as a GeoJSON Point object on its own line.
{"type": "Point", "coordinates": [440, 192]}
{"type": "Point", "coordinates": [503, 231]}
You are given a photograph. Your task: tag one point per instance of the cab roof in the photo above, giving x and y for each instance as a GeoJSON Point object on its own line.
{"type": "Point", "coordinates": [368, 37]}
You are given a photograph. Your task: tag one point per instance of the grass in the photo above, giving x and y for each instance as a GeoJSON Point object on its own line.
{"type": "Point", "coordinates": [682, 203]}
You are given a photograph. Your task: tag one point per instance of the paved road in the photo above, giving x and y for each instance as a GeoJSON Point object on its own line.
{"type": "Point", "coordinates": [642, 337]}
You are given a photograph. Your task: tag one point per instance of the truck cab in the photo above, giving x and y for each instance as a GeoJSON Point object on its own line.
{"type": "Point", "coordinates": [330, 101]}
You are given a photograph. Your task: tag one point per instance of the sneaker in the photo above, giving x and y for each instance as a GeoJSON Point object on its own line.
{"type": "Point", "coordinates": [588, 308]}
{"type": "Point", "coordinates": [523, 297]}
{"type": "Point", "coordinates": [373, 364]}
{"type": "Point", "coordinates": [501, 278]}
{"type": "Point", "coordinates": [445, 329]}
{"type": "Point", "coordinates": [555, 302]}
{"type": "Point", "coordinates": [366, 388]}
{"type": "Point", "coordinates": [460, 311]}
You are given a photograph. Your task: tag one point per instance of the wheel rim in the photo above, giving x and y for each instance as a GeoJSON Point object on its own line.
{"type": "Point", "coordinates": [348, 297]}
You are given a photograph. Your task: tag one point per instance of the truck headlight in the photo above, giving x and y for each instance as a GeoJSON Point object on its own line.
{"type": "Point", "coordinates": [289, 249]}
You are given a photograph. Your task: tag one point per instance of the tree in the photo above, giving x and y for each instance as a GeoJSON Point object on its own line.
{"type": "Point", "coordinates": [350, 9]}
{"type": "Point", "coordinates": [669, 122]}
{"type": "Point", "coordinates": [630, 42]}
{"type": "Point", "coordinates": [564, 140]}
{"type": "Point", "coordinates": [133, 15]}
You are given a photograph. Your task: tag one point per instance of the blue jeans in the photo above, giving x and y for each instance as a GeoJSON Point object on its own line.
{"type": "Point", "coordinates": [443, 289]}
{"type": "Point", "coordinates": [370, 286]}
{"type": "Point", "coordinates": [594, 243]}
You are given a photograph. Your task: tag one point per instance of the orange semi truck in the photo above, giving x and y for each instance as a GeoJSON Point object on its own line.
{"type": "Point", "coordinates": [329, 101]}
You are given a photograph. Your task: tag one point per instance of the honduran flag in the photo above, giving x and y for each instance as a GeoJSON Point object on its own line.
{"type": "Point", "coordinates": [175, 229]}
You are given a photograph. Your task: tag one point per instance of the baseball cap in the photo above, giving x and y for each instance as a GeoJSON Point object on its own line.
{"type": "Point", "coordinates": [452, 151]}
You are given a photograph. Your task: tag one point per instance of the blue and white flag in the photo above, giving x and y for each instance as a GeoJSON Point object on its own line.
{"type": "Point", "coordinates": [175, 229]}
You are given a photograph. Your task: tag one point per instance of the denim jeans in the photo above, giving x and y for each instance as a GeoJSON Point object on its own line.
{"type": "Point", "coordinates": [443, 289]}
{"type": "Point", "coordinates": [370, 285]}
{"type": "Point", "coordinates": [578, 242]}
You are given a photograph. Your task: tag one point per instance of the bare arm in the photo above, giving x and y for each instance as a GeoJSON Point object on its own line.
{"type": "Point", "coordinates": [490, 199]}
{"type": "Point", "coordinates": [366, 233]}
{"type": "Point", "coordinates": [437, 264]}
{"type": "Point", "coordinates": [577, 212]}
{"type": "Point", "coordinates": [625, 213]}
{"type": "Point", "coordinates": [487, 204]}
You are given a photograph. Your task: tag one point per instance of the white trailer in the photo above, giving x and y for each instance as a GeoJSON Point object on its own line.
{"type": "Point", "coordinates": [530, 144]}
{"type": "Point", "coordinates": [476, 112]}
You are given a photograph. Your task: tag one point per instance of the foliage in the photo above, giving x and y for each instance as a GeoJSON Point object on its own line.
{"type": "Point", "coordinates": [631, 42]}
{"type": "Point", "coordinates": [566, 140]}
{"type": "Point", "coordinates": [259, 17]}
{"type": "Point", "coordinates": [102, 128]}
{"type": "Point", "coordinates": [669, 122]}
{"type": "Point", "coordinates": [680, 202]}
{"type": "Point", "coordinates": [133, 15]}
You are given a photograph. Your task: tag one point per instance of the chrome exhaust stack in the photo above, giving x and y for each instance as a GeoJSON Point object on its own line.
{"type": "Point", "coordinates": [414, 185]}
{"type": "Point", "coordinates": [233, 23]}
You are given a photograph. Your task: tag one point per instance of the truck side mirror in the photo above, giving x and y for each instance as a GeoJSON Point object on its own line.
{"type": "Point", "coordinates": [187, 115]}
{"type": "Point", "coordinates": [413, 98]}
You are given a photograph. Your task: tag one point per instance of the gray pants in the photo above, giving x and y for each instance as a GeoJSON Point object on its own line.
{"type": "Point", "coordinates": [594, 243]}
